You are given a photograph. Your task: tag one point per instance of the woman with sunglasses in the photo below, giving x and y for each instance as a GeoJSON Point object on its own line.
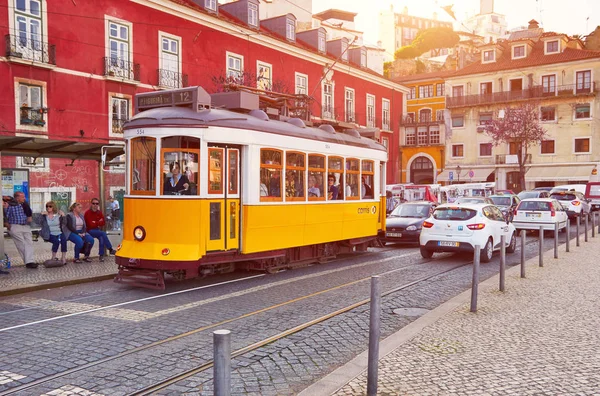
{"type": "Point", "coordinates": [52, 221]}
{"type": "Point", "coordinates": [75, 231]}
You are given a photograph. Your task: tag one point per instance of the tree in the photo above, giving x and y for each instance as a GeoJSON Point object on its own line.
{"type": "Point", "coordinates": [407, 52]}
{"type": "Point", "coordinates": [519, 125]}
{"type": "Point", "coordinates": [428, 40]}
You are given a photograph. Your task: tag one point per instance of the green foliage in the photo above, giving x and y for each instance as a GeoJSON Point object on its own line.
{"type": "Point", "coordinates": [387, 68]}
{"type": "Point", "coordinates": [427, 40]}
{"type": "Point", "coordinates": [407, 52]}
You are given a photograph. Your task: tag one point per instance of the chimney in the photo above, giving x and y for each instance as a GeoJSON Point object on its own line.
{"type": "Point", "coordinates": [533, 24]}
{"type": "Point", "coordinates": [405, 10]}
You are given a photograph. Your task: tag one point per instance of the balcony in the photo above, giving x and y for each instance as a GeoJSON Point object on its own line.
{"type": "Point", "coordinates": [350, 117]}
{"type": "Point", "coordinates": [536, 92]}
{"type": "Point", "coordinates": [30, 49]}
{"type": "Point", "coordinates": [32, 116]}
{"type": "Point", "coordinates": [172, 79]}
{"type": "Point", "coordinates": [120, 68]}
{"type": "Point", "coordinates": [421, 120]}
{"type": "Point", "coordinates": [504, 159]}
{"type": "Point", "coordinates": [328, 112]}
{"type": "Point", "coordinates": [117, 126]}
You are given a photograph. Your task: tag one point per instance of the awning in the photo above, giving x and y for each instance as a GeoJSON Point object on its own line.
{"type": "Point", "coordinates": [559, 173]}
{"type": "Point", "coordinates": [466, 175]}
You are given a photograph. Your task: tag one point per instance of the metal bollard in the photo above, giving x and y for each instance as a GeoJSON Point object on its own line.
{"type": "Point", "coordinates": [556, 240]}
{"type": "Point", "coordinates": [585, 229]}
{"type": "Point", "coordinates": [523, 237]}
{"type": "Point", "coordinates": [222, 367]}
{"type": "Point", "coordinates": [374, 333]}
{"type": "Point", "coordinates": [568, 230]}
{"type": "Point", "coordinates": [541, 247]}
{"type": "Point", "coordinates": [577, 230]}
{"type": "Point", "coordinates": [502, 262]}
{"type": "Point", "coordinates": [475, 282]}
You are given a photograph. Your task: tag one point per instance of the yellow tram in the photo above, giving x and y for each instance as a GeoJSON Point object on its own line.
{"type": "Point", "coordinates": [210, 189]}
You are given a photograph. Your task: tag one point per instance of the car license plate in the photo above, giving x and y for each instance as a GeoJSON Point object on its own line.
{"type": "Point", "coordinates": [447, 243]}
{"type": "Point", "coordinates": [393, 234]}
{"type": "Point", "coordinates": [535, 215]}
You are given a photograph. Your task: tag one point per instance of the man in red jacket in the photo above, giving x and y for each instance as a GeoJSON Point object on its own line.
{"type": "Point", "coordinates": [94, 220]}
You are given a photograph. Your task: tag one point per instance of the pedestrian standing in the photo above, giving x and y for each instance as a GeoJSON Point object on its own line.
{"type": "Point", "coordinates": [18, 220]}
{"type": "Point", "coordinates": [51, 231]}
{"type": "Point", "coordinates": [116, 213]}
{"type": "Point", "coordinates": [94, 221]}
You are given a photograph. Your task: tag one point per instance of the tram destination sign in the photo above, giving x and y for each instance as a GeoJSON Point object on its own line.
{"type": "Point", "coordinates": [185, 97]}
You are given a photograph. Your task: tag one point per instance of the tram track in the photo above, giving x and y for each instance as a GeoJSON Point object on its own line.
{"type": "Point", "coordinates": [203, 367]}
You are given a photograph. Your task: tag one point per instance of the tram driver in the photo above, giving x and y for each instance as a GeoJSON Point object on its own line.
{"type": "Point", "coordinates": [178, 183]}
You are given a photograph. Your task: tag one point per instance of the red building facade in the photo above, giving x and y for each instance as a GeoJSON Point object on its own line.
{"type": "Point", "coordinates": [70, 70]}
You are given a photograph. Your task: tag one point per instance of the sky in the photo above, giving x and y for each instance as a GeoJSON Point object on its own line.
{"type": "Point", "coordinates": [555, 15]}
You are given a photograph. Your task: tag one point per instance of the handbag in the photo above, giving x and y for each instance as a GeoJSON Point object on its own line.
{"type": "Point", "coordinates": [87, 248]}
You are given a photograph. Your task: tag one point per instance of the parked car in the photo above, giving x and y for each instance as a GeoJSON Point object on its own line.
{"type": "Point", "coordinates": [507, 203]}
{"type": "Point", "coordinates": [500, 192]}
{"type": "Point", "coordinates": [569, 187]}
{"type": "Point", "coordinates": [405, 222]}
{"type": "Point", "coordinates": [473, 200]}
{"type": "Point", "coordinates": [574, 203]}
{"type": "Point", "coordinates": [455, 228]}
{"type": "Point", "coordinates": [533, 194]}
{"type": "Point", "coordinates": [545, 188]}
{"type": "Point", "coordinates": [592, 193]}
{"type": "Point", "coordinates": [535, 212]}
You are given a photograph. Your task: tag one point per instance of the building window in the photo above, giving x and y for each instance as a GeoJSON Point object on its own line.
{"type": "Point", "coordinates": [169, 74]}
{"type": "Point", "coordinates": [489, 56]}
{"type": "Point", "coordinates": [485, 118]}
{"type": "Point", "coordinates": [370, 110]}
{"type": "Point", "coordinates": [235, 68]}
{"type": "Point", "coordinates": [119, 47]}
{"type": "Point", "coordinates": [31, 109]}
{"type": "Point", "coordinates": [422, 136]}
{"type": "Point", "coordinates": [301, 84]}
{"type": "Point", "coordinates": [413, 93]}
{"type": "Point", "coordinates": [547, 147]}
{"type": "Point", "coordinates": [385, 114]}
{"type": "Point", "coordinates": [485, 88]}
{"type": "Point", "coordinates": [513, 148]}
{"type": "Point", "coordinates": [322, 42]}
{"type": "Point", "coordinates": [458, 91]}
{"type": "Point", "coordinates": [349, 105]}
{"type": "Point", "coordinates": [410, 117]}
{"type": "Point", "coordinates": [210, 5]}
{"type": "Point", "coordinates": [549, 84]}
{"type": "Point", "coordinates": [344, 51]}
{"type": "Point", "coordinates": [439, 115]}
{"type": "Point", "coordinates": [458, 121]}
{"type": "Point", "coordinates": [290, 30]}
{"type": "Point", "coordinates": [263, 76]}
{"type": "Point", "coordinates": [434, 134]}
{"type": "Point", "coordinates": [253, 14]}
{"type": "Point", "coordinates": [411, 136]}
{"type": "Point", "coordinates": [425, 91]}
{"type": "Point", "coordinates": [582, 111]}
{"type": "Point", "coordinates": [548, 113]}
{"type": "Point", "coordinates": [385, 142]}
{"type": "Point", "coordinates": [485, 149]}
{"type": "Point", "coordinates": [29, 31]}
{"type": "Point", "coordinates": [363, 57]}
{"type": "Point", "coordinates": [439, 88]}
{"type": "Point", "coordinates": [458, 150]}
{"type": "Point", "coordinates": [425, 115]}
{"type": "Point", "coordinates": [584, 81]}
{"type": "Point", "coordinates": [519, 52]}
{"type": "Point", "coordinates": [119, 115]}
{"type": "Point", "coordinates": [328, 101]}
{"type": "Point", "coordinates": [552, 47]}
{"type": "Point", "coordinates": [582, 145]}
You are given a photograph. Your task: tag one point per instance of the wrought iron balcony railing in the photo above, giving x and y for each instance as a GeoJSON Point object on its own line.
{"type": "Point", "coordinates": [117, 126]}
{"type": "Point", "coordinates": [422, 120]}
{"type": "Point", "coordinates": [32, 116]}
{"type": "Point", "coordinates": [30, 49]}
{"type": "Point", "coordinates": [172, 79]}
{"type": "Point", "coordinates": [328, 112]}
{"type": "Point", "coordinates": [120, 68]}
{"type": "Point", "coordinates": [350, 117]}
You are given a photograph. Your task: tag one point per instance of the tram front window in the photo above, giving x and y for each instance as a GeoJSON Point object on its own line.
{"type": "Point", "coordinates": [180, 161]}
{"type": "Point", "coordinates": [143, 165]}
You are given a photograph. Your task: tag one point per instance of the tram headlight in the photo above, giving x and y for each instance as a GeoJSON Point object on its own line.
{"type": "Point", "coordinates": [139, 233]}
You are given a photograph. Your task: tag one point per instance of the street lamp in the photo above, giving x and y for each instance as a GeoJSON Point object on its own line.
{"type": "Point", "coordinates": [458, 172]}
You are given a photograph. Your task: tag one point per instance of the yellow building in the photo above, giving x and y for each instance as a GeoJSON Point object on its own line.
{"type": "Point", "coordinates": [422, 130]}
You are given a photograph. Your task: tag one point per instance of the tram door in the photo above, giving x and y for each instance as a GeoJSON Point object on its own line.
{"type": "Point", "coordinates": [224, 202]}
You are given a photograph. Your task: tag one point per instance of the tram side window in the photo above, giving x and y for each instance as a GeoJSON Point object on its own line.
{"type": "Point", "coordinates": [143, 166]}
{"type": "Point", "coordinates": [215, 170]}
{"type": "Point", "coordinates": [271, 166]}
{"type": "Point", "coordinates": [295, 170]}
{"type": "Point", "coordinates": [336, 171]}
{"type": "Point", "coordinates": [180, 163]}
{"type": "Point", "coordinates": [317, 182]}
{"type": "Point", "coordinates": [367, 177]}
{"type": "Point", "coordinates": [352, 178]}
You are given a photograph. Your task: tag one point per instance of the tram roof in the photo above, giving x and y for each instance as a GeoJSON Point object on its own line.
{"type": "Point", "coordinates": [186, 117]}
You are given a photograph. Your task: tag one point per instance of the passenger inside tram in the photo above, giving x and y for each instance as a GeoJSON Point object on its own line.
{"type": "Point", "coordinates": [177, 183]}
{"type": "Point", "coordinates": [313, 190]}
{"type": "Point", "coordinates": [332, 190]}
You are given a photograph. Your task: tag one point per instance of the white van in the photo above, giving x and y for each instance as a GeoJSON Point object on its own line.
{"type": "Point", "coordinates": [569, 187]}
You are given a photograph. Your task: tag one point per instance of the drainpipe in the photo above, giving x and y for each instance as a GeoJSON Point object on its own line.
{"type": "Point", "coordinates": [1, 233]}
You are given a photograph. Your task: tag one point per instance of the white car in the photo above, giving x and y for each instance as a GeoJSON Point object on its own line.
{"type": "Point", "coordinates": [575, 204]}
{"type": "Point", "coordinates": [535, 212]}
{"type": "Point", "coordinates": [457, 228]}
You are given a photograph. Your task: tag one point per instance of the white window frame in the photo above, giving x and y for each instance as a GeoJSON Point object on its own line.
{"type": "Point", "coordinates": [437, 91]}
{"type": "Point", "coordinates": [486, 82]}
{"type": "Point", "coordinates": [514, 47]}
{"type": "Point", "coordinates": [425, 109]}
{"type": "Point", "coordinates": [41, 164]}
{"type": "Point", "coordinates": [555, 115]}
{"type": "Point", "coordinates": [300, 86]}
{"type": "Point", "coordinates": [121, 97]}
{"type": "Point", "coordinates": [363, 57]}
{"type": "Point", "coordinates": [385, 141]}
{"type": "Point", "coordinates": [546, 42]}
{"type": "Point", "coordinates": [413, 141]}
{"type": "Point", "coordinates": [253, 14]}
{"type": "Point", "coordinates": [322, 42]}
{"type": "Point", "coordinates": [17, 100]}
{"type": "Point", "coordinates": [515, 79]}
{"type": "Point", "coordinates": [580, 138]}
{"type": "Point", "coordinates": [452, 150]}
{"type": "Point", "coordinates": [439, 115]}
{"type": "Point", "coordinates": [412, 93]}
{"type": "Point", "coordinates": [370, 121]}
{"type": "Point", "coordinates": [385, 114]}
{"type": "Point", "coordinates": [586, 118]}
{"type": "Point", "coordinates": [555, 82]}
{"type": "Point", "coordinates": [290, 29]}
{"type": "Point", "coordinates": [541, 144]}
{"type": "Point", "coordinates": [330, 115]}
{"type": "Point", "coordinates": [264, 65]}
{"type": "Point", "coordinates": [582, 71]}
{"type": "Point", "coordinates": [344, 47]}
{"type": "Point", "coordinates": [492, 51]}
{"type": "Point", "coordinates": [479, 151]}
{"type": "Point", "coordinates": [37, 55]}
{"type": "Point", "coordinates": [452, 121]}
{"type": "Point", "coordinates": [424, 91]}
{"type": "Point", "coordinates": [210, 5]}
{"type": "Point", "coordinates": [349, 114]}
{"type": "Point", "coordinates": [107, 37]}
{"type": "Point", "coordinates": [459, 86]}
{"type": "Point", "coordinates": [229, 72]}
{"type": "Point", "coordinates": [161, 63]}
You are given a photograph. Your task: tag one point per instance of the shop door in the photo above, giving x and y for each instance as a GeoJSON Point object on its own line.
{"type": "Point", "coordinates": [224, 198]}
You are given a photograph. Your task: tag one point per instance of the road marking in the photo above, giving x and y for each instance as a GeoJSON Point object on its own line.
{"type": "Point", "coordinates": [7, 376]}
{"type": "Point", "coordinates": [71, 390]}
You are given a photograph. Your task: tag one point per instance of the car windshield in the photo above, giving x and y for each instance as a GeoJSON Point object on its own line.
{"type": "Point", "coordinates": [501, 201]}
{"type": "Point", "coordinates": [529, 194]}
{"type": "Point", "coordinates": [454, 214]}
{"type": "Point", "coordinates": [535, 205]}
{"type": "Point", "coordinates": [470, 200]}
{"type": "Point", "coordinates": [411, 210]}
{"type": "Point", "coordinates": [564, 197]}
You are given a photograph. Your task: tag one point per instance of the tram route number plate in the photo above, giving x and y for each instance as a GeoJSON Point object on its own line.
{"type": "Point", "coordinates": [448, 243]}
{"type": "Point", "coordinates": [393, 234]}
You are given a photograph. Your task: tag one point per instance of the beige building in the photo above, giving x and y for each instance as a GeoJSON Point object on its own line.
{"type": "Point", "coordinates": [555, 72]}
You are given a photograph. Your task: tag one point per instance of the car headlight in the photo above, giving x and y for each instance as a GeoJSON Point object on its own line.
{"type": "Point", "coordinates": [139, 233]}
{"type": "Point", "coordinates": [411, 228]}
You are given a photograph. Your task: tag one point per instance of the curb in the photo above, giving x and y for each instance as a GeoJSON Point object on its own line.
{"type": "Point", "coordinates": [53, 285]}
